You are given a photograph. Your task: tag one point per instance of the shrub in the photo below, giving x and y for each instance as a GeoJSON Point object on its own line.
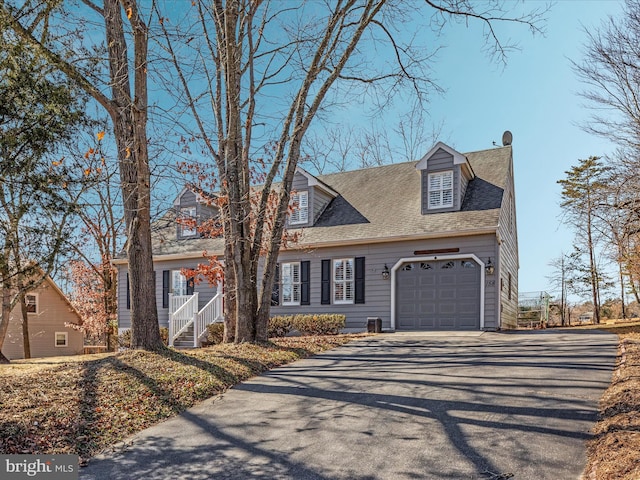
{"type": "Point", "coordinates": [280, 326]}
{"type": "Point", "coordinates": [323, 324]}
{"type": "Point", "coordinates": [215, 333]}
{"type": "Point", "coordinates": [164, 335]}
{"type": "Point", "coordinates": [124, 339]}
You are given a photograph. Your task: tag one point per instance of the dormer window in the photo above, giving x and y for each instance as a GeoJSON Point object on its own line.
{"type": "Point", "coordinates": [300, 204]}
{"type": "Point", "coordinates": [441, 189]}
{"type": "Point", "coordinates": [188, 213]}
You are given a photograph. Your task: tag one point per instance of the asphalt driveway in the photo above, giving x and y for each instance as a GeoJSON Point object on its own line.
{"type": "Point", "coordinates": [394, 406]}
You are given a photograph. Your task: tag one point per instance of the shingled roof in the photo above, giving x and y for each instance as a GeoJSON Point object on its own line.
{"type": "Point", "coordinates": [380, 204]}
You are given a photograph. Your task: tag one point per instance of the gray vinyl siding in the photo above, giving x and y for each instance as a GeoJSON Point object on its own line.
{"type": "Point", "coordinates": [508, 263]}
{"type": "Point", "coordinates": [53, 312]}
{"type": "Point", "coordinates": [319, 199]}
{"type": "Point", "coordinates": [301, 184]}
{"type": "Point", "coordinates": [203, 211]}
{"type": "Point", "coordinates": [442, 161]}
{"type": "Point", "coordinates": [205, 291]}
{"type": "Point", "coordinates": [124, 314]}
{"type": "Point", "coordinates": [378, 291]}
{"type": "Point", "coordinates": [188, 199]}
{"type": "Point", "coordinates": [464, 182]}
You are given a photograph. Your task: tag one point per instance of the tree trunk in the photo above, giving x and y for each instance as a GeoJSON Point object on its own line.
{"type": "Point", "coordinates": [4, 320]}
{"type": "Point", "coordinates": [26, 344]}
{"type": "Point", "coordinates": [109, 278]}
{"type": "Point", "coordinates": [593, 269]}
{"type": "Point", "coordinates": [129, 115]}
{"type": "Point", "coordinates": [624, 308]}
{"type": "Point", "coordinates": [634, 289]}
{"type": "Point", "coordinates": [6, 315]}
{"type": "Point", "coordinates": [229, 299]}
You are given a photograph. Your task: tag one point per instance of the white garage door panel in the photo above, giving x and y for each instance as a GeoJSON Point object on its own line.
{"type": "Point", "coordinates": [438, 295]}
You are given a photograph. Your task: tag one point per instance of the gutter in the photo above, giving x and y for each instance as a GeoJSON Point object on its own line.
{"type": "Point", "coordinates": [337, 243]}
{"type": "Point", "coordinates": [398, 238]}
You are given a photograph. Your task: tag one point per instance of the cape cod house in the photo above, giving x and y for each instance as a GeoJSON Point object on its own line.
{"type": "Point", "coordinates": [426, 245]}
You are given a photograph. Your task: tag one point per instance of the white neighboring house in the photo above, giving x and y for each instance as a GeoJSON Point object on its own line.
{"type": "Point", "coordinates": [586, 317]}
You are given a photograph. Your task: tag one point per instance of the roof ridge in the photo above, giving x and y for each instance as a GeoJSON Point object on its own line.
{"type": "Point", "coordinates": [387, 165]}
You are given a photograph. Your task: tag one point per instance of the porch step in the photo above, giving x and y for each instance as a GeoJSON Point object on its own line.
{"type": "Point", "coordinates": [185, 340]}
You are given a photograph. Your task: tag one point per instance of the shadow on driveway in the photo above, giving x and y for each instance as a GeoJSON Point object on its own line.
{"type": "Point", "coordinates": [519, 404]}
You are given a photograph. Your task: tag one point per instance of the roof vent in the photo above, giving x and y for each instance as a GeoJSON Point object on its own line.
{"type": "Point", "coordinates": [507, 138]}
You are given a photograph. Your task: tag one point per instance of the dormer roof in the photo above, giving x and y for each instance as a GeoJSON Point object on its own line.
{"type": "Point", "coordinates": [458, 158]}
{"type": "Point", "coordinates": [314, 181]}
{"type": "Point", "coordinates": [201, 195]}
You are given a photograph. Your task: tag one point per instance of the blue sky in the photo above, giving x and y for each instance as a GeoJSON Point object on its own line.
{"type": "Point", "coordinates": [536, 98]}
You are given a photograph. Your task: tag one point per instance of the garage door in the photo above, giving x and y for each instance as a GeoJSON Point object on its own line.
{"type": "Point", "coordinates": [438, 295]}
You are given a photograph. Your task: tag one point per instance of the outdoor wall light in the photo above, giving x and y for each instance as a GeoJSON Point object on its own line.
{"type": "Point", "coordinates": [385, 272]}
{"type": "Point", "coordinates": [489, 268]}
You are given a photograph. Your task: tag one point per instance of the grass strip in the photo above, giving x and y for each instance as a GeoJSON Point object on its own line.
{"type": "Point", "coordinates": [83, 407]}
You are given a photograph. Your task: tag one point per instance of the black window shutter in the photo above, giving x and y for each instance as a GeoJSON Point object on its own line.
{"type": "Point", "coordinates": [305, 283]}
{"type": "Point", "coordinates": [325, 276]}
{"type": "Point", "coordinates": [359, 280]}
{"type": "Point", "coordinates": [128, 293]}
{"type": "Point", "coordinates": [166, 286]}
{"type": "Point", "coordinates": [190, 286]}
{"type": "Point", "coordinates": [275, 293]}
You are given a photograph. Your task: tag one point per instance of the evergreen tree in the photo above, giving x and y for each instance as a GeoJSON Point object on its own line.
{"type": "Point", "coordinates": [39, 188]}
{"type": "Point", "coordinates": [581, 197]}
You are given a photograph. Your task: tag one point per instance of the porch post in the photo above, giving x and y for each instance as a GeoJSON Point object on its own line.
{"type": "Point", "coordinates": [196, 314]}
{"type": "Point", "coordinates": [170, 319]}
{"type": "Point", "coordinates": [219, 303]}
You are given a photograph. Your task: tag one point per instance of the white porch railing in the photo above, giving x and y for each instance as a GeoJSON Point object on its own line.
{"type": "Point", "coordinates": [183, 312]}
{"type": "Point", "coordinates": [181, 318]}
{"type": "Point", "coordinates": [211, 313]}
{"type": "Point", "coordinates": [176, 301]}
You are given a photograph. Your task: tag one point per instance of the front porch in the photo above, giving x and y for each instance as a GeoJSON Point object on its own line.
{"type": "Point", "coordinates": [187, 323]}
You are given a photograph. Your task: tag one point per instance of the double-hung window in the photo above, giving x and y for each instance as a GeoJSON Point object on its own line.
{"type": "Point", "coordinates": [290, 282]}
{"type": "Point", "coordinates": [188, 213]}
{"type": "Point", "coordinates": [31, 300]}
{"type": "Point", "coordinates": [441, 189]}
{"type": "Point", "coordinates": [343, 280]}
{"type": "Point", "coordinates": [300, 206]}
{"type": "Point", "coordinates": [62, 339]}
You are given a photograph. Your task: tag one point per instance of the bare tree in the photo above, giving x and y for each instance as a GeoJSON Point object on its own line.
{"type": "Point", "coordinates": [96, 241]}
{"type": "Point", "coordinates": [623, 185]}
{"type": "Point", "coordinates": [119, 66]}
{"type": "Point", "coordinates": [268, 64]}
{"type": "Point", "coordinates": [345, 147]}
{"type": "Point", "coordinates": [609, 68]}
{"type": "Point", "coordinates": [559, 280]}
